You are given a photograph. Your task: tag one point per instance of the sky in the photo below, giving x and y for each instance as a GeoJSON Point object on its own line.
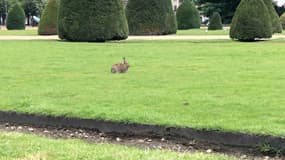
{"type": "Point", "coordinates": [280, 2]}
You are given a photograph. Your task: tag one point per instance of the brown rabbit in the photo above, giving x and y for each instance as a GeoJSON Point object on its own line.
{"type": "Point", "coordinates": [120, 67]}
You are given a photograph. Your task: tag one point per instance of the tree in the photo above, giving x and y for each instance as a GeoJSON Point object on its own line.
{"type": "Point", "coordinates": [32, 8]}
{"type": "Point", "coordinates": [3, 11]}
{"type": "Point", "coordinates": [16, 18]}
{"type": "Point", "coordinates": [279, 9]}
{"type": "Point", "coordinates": [188, 16]}
{"type": "Point", "coordinates": [251, 21]}
{"type": "Point", "coordinates": [92, 20]}
{"type": "Point", "coordinates": [282, 20]}
{"type": "Point", "coordinates": [48, 23]}
{"type": "Point", "coordinates": [276, 26]}
{"type": "Point", "coordinates": [215, 22]}
{"type": "Point", "coordinates": [226, 8]}
{"type": "Point", "coordinates": [151, 17]}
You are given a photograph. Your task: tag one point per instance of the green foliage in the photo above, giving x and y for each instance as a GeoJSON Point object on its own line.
{"type": "Point", "coordinates": [92, 20]}
{"type": "Point", "coordinates": [188, 16]}
{"type": "Point", "coordinates": [274, 18]}
{"type": "Point", "coordinates": [151, 17]}
{"type": "Point", "coordinates": [215, 22]}
{"type": "Point", "coordinates": [16, 18]}
{"type": "Point", "coordinates": [33, 7]}
{"type": "Point", "coordinates": [269, 150]}
{"type": "Point", "coordinates": [282, 20]}
{"type": "Point", "coordinates": [251, 21]}
{"type": "Point", "coordinates": [48, 23]}
{"type": "Point", "coordinates": [226, 8]}
{"type": "Point", "coordinates": [2, 7]}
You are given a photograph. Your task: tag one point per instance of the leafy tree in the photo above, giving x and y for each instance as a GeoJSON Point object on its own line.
{"type": "Point", "coordinates": [32, 8]}
{"type": "Point", "coordinates": [16, 18]}
{"type": "Point", "coordinates": [226, 8]}
{"type": "Point", "coordinates": [215, 22]}
{"type": "Point", "coordinates": [92, 20]}
{"type": "Point", "coordinates": [188, 16]}
{"type": "Point", "coordinates": [48, 23]}
{"type": "Point", "coordinates": [279, 9]}
{"type": "Point", "coordinates": [151, 17]}
{"type": "Point", "coordinates": [3, 11]}
{"type": "Point", "coordinates": [251, 21]}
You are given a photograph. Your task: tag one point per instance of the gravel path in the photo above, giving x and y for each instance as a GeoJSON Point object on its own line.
{"type": "Point", "coordinates": [168, 37]}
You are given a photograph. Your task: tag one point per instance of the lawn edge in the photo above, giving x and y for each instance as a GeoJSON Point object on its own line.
{"type": "Point", "coordinates": [180, 135]}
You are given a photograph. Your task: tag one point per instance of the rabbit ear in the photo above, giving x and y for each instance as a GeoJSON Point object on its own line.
{"type": "Point", "coordinates": [124, 58]}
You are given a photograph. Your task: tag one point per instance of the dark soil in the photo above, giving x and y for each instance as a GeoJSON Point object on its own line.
{"type": "Point", "coordinates": [141, 142]}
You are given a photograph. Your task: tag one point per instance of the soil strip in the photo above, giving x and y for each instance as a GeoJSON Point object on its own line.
{"type": "Point", "coordinates": [187, 138]}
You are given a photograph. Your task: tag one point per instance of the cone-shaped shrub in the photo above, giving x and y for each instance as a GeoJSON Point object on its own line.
{"type": "Point", "coordinates": [282, 20]}
{"type": "Point", "coordinates": [16, 18]}
{"type": "Point", "coordinates": [215, 22]}
{"type": "Point", "coordinates": [48, 23]}
{"type": "Point", "coordinates": [276, 26]}
{"type": "Point", "coordinates": [151, 17]}
{"type": "Point", "coordinates": [188, 16]}
{"type": "Point", "coordinates": [251, 21]}
{"type": "Point", "coordinates": [92, 20]}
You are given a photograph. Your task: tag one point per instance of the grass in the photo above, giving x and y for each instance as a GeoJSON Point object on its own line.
{"type": "Point", "coordinates": [229, 85]}
{"type": "Point", "coordinates": [203, 32]}
{"type": "Point", "coordinates": [206, 32]}
{"type": "Point", "coordinates": [195, 32]}
{"type": "Point", "coordinates": [14, 146]}
{"type": "Point", "coordinates": [18, 32]}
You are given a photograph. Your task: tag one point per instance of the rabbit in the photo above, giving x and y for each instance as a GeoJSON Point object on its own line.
{"type": "Point", "coordinates": [120, 67]}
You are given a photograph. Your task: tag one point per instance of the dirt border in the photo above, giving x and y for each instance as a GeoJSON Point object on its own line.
{"type": "Point", "coordinates": [181, 135]}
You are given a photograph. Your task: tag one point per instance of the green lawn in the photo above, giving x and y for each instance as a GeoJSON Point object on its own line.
{"type": "Point", "coordinates": [206, 32]}
{"type": "Point", "coordinates": [180, 32]}
{"type": "Point", "coordinates": [14, 146]}
{"type": "Point", "coordinates": [229, 85]}
{"type": "Point", "coordinates": [203, 31]}
{"type": "Point", "coordinates": [195, 32]}
{"type": "Point", "coordinates": [18, 32]}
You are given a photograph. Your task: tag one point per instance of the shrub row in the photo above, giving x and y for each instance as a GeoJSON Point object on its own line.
{"type": "Point", "coordinates": [86, 20]}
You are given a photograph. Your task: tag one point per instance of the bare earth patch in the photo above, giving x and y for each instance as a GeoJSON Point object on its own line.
{"type": "Point", "coordinates": [91, 136]}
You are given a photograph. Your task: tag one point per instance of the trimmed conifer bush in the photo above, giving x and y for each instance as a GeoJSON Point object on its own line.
{"type": "Point", "coordinates": [48, 23]}
{"type": "Point", "coordinates": [276, 26]}
{"type": "Point", "coordinates": [92, 20]}
{"type": "Point", "coordinates": [188, 16]}
{"type": "Point", "coordinates": [251, 21]}
{"type": "Point", "coordinates": [215, 22]}
{"type": "Point", "coordinates": [282, 20]}
{"type": "Point", "coordinates": [16, 18]}
{"type": "Point", "coordinates": [151, 17]}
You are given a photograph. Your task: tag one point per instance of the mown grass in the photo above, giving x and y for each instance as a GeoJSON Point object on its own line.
{"type": "Point", "coordinates": [195, 32]}
{"type": "Point", "coordinates": [204, 32]}
{"type": "Point", "coordinates": [228, 85]}
{"type": "Point", "coordinates": [33, 32]}
{"type": "Point", "coordinates": [14, 146]}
